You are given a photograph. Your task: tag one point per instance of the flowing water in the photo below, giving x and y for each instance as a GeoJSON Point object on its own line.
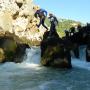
{"type": "Point", "coordinates": [30, 75]}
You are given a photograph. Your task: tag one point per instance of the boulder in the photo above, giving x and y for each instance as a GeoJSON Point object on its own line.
{"type": "Point", "coordinates": [20, 52]}
{"type": "Point", "coordinates": [11, 48]}
{"type": "Point", "coordinates": [88, 53]}
{"type": "Point", "coordinates": [2, 55]}
{"type": "Point", "coordinates": [54, 53]}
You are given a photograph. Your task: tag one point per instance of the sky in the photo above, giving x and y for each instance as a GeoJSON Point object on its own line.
{"type": "Point", "coordinates": [78, 10]}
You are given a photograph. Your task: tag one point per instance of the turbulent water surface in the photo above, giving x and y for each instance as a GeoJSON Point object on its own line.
{"type": "Point", "coordinates": [29, 75]}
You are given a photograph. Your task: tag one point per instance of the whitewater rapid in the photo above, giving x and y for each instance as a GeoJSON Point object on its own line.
{"type": "Point", "coordinates": [81, 62]}
{"type": "Point", "coordinates": [33, 56]}
{"type": "Point", "coordinates": [30, 75]}
{"type": "Point", "coordinates": [30, 60]}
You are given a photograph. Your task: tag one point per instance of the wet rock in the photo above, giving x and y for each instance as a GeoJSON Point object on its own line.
{"type": "Point", "coordinates": [11, 48]}
{"type": "Point", "coordinates": [20, 52]}
{"type": "Point", "coordinates": [75, 49]}
{"type": "Point", "coordinates": [8, 46]}
{"type": "Point", "coordinates": [53, 52]}
{"type": "Point", "coordinates": [2, 55]}
{"type": "Point", "coordinates": [88, 53]}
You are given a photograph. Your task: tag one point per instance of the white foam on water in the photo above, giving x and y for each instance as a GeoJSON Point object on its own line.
{"type": "Point", "coordinates": [31, 60]}
{"type": "Point", "coordinates": [81, 64]}
{"type": "Point", "coordinates": [46, 84]}
{"type": "Point", "coordinates": [33, 56]}
{"type": "Point", "coordinates": [51, 85]}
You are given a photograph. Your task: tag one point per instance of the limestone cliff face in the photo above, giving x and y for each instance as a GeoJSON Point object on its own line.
{"type": "Point", "coordinates": [17, 16]}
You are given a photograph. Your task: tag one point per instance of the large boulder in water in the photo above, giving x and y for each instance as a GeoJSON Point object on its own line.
{"type": "Point", "coordinates": [53, 52]}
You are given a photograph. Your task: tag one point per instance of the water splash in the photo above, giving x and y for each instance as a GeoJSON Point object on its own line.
{"type": "Point", "coordinates": [81, 62]}
{"type": "Point", "coordinates": [32, 55]}
{"type": "Point", "coordinates": [31, 60]}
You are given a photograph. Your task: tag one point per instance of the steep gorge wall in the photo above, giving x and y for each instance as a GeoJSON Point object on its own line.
{"type": "Point", "coordinates": [17, 16]}
{"type": "Point", "coordinates": [18, 29]}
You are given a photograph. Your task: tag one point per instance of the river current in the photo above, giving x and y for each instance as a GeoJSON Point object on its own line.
{"type": "Point", "coordinates": [30, 75]}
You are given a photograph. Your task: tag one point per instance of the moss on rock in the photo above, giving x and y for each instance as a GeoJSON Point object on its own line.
{"type": "Point", "coordinates": [11, 48]}
{"type": "Point", "coordinates": [54, 53]}
{"type": "Point", "coordinates": [2, 55]}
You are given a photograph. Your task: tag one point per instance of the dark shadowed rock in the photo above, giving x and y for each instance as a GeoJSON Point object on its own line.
{"type": "Point", "coordinates": [19, 4]}
{"type": "Point", "coordinates": [54, 53]}
{"type": "Point", "coordinates": [88, 53]}
{"type": "Point", "coordinates": [20, 52]}
{"type": "Point", "coordinates": [11, 49]}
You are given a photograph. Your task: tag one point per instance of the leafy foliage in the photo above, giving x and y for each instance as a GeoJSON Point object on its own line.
{"type": "Point", "coordinates": [64, 24]}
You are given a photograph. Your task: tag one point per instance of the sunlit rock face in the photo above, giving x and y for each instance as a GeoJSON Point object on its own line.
{"type": "Point", "coordinates": [17, 16]}
{"type": "Point", "coordinates": [18, 29]}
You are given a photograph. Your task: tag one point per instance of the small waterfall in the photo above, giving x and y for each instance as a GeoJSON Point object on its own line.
{"type": "Point", "coordinates": [81, 62]}
{"type": "Point", "coordinates": [31, 60]}
{"type": "Point", "coordinates": [82, 51]}
{"type": "Point", "coordinates": [33, 56]}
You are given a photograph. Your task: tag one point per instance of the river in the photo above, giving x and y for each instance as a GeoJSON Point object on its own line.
{"type": "Point", "coordinates": [30, 75]}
